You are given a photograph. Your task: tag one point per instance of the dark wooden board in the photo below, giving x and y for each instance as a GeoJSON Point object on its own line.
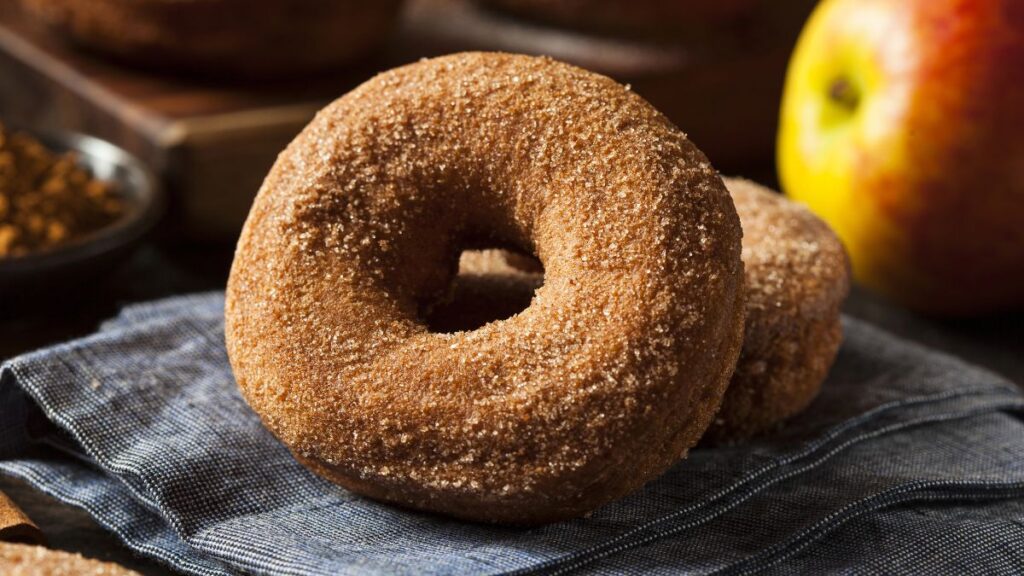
{"type": "Point", "coordinates": [212, 141]}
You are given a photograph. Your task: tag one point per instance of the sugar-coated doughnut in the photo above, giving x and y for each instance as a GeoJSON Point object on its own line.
{"type": "Point", "coordinates": [608, 377]}
{"type": "Point", "coordinates": [223, 37]}
{"type": "Point", "coordinates": [28, 560]}
{"type": "Point", "coordinates": [797, 276]}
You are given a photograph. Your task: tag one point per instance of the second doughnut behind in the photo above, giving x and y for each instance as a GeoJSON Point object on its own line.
{"type": "Point", "coordinates": [796, 277]}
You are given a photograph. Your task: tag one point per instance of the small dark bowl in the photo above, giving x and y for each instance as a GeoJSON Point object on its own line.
{"type": "Point", "coordinates": [28, 282]}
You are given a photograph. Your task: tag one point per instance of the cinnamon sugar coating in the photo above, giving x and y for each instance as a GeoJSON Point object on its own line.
{"type": "Point", "coordinates": [613, 371]}
{"type": "Point", "coordinates": [28, 560]}
{"type": "Point", "coordinates": [797, 276]}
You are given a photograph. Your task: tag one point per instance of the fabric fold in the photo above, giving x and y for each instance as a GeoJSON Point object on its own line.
{"type": "Point", "coordinates": [141, 424]}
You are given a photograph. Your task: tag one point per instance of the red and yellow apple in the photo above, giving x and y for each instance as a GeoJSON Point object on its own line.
{"type": "Point", "coordinates": [902, 125]}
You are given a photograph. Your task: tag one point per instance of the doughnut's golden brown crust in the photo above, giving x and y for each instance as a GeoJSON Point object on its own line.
{"type": "Point", "coordinates": [224, 37]}
{"type": "Point", "coordinates": [653, 19]}
{"type": "Point", "coordinates": [797, 277]}
{"type": "Point", "coordinates": [602, 383]}
{"type": "Point", "coordinates": [26, 560]}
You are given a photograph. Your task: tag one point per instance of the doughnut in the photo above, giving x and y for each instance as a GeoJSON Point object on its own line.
{"type": "Point", "coordinates": [651, 19]}
{"type": "Point", "coordinates": [796, 276]}
{"type": "Point", "coordinates": [222, 37]}
{"type": "Point", "coordinates": [27, 560]}
{"type": "Point", "coordinates": [610, 375]}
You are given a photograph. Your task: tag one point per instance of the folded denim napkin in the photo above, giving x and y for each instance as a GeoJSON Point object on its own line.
{"type": "Point", "coordinates": [909, 462]}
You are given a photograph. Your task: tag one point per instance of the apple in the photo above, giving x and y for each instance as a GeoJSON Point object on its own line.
{"type": "Point", "coordinates": [902, 125]}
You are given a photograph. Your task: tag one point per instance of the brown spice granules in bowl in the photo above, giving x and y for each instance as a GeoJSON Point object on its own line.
{"type": "Point", "coordinates": [46, 199]}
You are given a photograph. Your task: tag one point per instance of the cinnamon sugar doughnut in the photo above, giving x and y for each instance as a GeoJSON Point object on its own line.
{"type": "Point", "coordinates": [608, 377]}
{"type": "Point", "coordinates": [223, 37]}
{"type": "Point", "coordinates": [27, 560]}
{"type": "Point", "coordinates": [797, 277]}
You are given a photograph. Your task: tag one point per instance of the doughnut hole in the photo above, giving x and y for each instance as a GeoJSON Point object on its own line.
{"type": "Point", "coordinates": [491, 285]}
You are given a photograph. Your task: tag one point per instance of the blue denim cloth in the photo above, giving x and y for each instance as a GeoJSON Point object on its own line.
{"type": "Point", "coordinates": [909, 462]}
